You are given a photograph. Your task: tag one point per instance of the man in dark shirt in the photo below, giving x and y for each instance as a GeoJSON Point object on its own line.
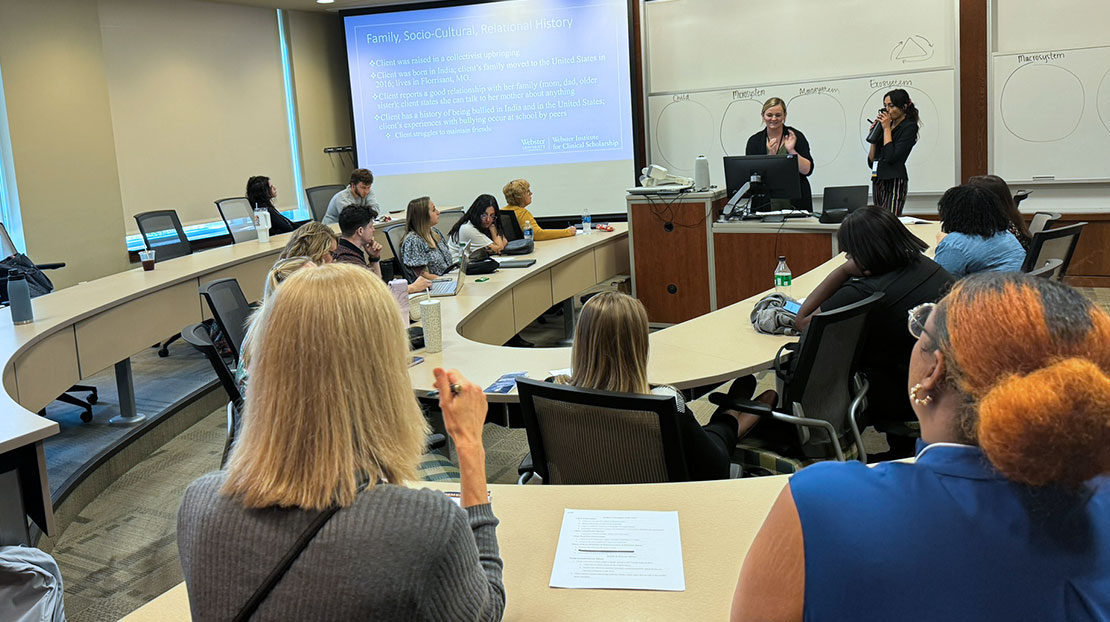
{"type": "Point", "coordinates": [357, 244]}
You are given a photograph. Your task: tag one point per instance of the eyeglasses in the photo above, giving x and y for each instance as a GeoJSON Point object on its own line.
{"type": "Point", "coordinates": [917, 318]}
{"type": "Point", "coordinates": [487, 216]}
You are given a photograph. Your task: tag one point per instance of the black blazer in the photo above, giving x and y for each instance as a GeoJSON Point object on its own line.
{"type": "Point", "coordinates": [892, 156]}
{"type": "Point", "coordinates": [757, 145]}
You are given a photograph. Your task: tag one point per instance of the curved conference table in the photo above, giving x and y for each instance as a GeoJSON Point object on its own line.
{"type": "Point", "coordinates": [81, 330]}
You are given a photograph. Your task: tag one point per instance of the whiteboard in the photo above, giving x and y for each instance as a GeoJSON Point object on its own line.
{"type": "Point", "coordinates": [1051, 115]}
{"type": "Point", "coordinates": [833, 115]}
{"type": "Point", "coordinates": [1036, 25]}
{"type": "Point", "coordinates": [710, 64]}
{"type": "Point", "coordinates": [710, 44]}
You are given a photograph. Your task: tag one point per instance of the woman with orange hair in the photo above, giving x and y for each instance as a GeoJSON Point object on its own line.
{"type": "Point", "coordinates": [1005, 515]}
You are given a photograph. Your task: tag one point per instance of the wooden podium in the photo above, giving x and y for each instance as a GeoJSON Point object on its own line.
{"type": "Point", "coordinates": [685, 263]}
{"type": "Point", "coordinates": [671, 243]}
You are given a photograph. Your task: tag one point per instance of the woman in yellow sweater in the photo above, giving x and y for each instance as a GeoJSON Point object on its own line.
{"type": "Point", "coordinates": [518, 195]}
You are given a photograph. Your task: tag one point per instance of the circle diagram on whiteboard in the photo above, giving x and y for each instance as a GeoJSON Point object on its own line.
{"type": "Point", "coordinates": [683, 131]}
{"type": "Point", "coordinates": [742, 118]}
{"type": "Point", "coordinates": [820, 116]}
{"type": "Point", "coordinates": [927, 136]}
{"type": "Point", "coordinates": [1041, 103]}
{"type": "Point", "coordinates": [1103, 100]}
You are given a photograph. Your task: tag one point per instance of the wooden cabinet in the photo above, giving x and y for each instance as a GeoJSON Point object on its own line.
{"type": "Point", "coordinates": [671, 244]}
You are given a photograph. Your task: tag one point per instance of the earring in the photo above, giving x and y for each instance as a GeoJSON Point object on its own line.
{"type": "Point", "coordinates": [921, 401]}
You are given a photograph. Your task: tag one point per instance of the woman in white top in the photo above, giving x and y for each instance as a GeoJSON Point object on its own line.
{"type": "Point", "coordinates": [479, 226]}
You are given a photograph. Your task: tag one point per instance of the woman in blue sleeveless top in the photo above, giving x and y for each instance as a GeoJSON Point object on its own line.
{"type": "Point", "coordinates": [1006, 513]}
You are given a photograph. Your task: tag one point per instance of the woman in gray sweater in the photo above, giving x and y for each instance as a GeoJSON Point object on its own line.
{"type": "Point", "coordinates": [327, 428]}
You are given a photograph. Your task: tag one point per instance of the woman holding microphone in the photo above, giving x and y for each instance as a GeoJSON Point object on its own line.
{"type": "Point", "coordinates": [777, 138]}
{"type": "Point", "coordinates": [899, 120]}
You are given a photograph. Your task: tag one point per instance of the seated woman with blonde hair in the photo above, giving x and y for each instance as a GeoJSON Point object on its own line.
{"type": "Point", "coordinates": [1005, 515]}
{"type": "Point", "coordinates": [312, 240]}
{"type": "Point", "coordinates": [610, 353]}
{"type": "Point", "coordinates": [330, 438]}
{"type": "Point", "coordinates": [518, 196]}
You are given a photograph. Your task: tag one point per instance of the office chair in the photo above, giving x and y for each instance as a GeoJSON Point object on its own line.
{"type": "Point", "coordinates": [585, 436]}
{"type": "Point", "coordinates": [821, 396]}
{"type": "Point", "coordinates": [1042, 221]}
{"type": "Point", "coordinates": [510, 228]}
{"type": "Point", "coordinates": [1050, 270]}
{"type": "Point", "coordinates": [8, 249]}
{"type": "Point", "coordinates": [162, 232]}
{"type": "Point", "coordinates": [394, 233]}
{"type": "Point", "coordinates": [319, 197]}
{"type": "Point", "coordinates": [231, 310]}
{"type": "Point", "coordinates": [239, 218]}
{"type": "Point", "coordinates": [197, 336]}
{"type": "Point", "coordinates": [1056, 243]}
{"type": "Point", "coordinates": [448, 219]}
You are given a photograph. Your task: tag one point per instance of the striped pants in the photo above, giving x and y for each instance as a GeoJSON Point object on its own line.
{"type": "Point", "coordinates": [890, 194]}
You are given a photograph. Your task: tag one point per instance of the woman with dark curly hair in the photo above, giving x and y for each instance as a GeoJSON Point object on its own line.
{"type": "Point", "coordinates": [1004, 515]}
{"type": "Point", "coordinates": [1001, 189]}
{"type": "Point", "coordinates": [975, 234]}
{"type": "Point", "coordinates": [261, 192]}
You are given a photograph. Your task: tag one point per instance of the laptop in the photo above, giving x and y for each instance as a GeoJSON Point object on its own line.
{"type": "Point", "coordinates": [514, 263]}
{"type": "Point", "coordinates": [447, 286]}
{"type": "Point", "coordinates": [850, 198]}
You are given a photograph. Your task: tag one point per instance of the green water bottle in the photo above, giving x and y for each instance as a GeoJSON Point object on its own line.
{"type": "Point", "coordinates": [783, 278]}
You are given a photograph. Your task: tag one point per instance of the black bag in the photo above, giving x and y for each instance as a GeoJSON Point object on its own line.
{"type": "Point", "coordinates": [484, 266]}
{"type": "Point", "coordinates": [37, 282]}
{"type": "Point", "coordinates": [479, 262]}
{"type": "Point", "coordinates": [519, 247]}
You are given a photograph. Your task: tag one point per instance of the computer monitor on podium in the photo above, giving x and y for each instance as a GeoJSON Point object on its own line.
{"type": "Point", "coordinates": [778, 178]}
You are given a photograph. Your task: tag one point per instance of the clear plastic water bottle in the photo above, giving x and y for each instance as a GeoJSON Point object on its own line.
{"type": "Point", "coordinates": [783, 278]}
{"type": "Point", "coordinates": [528, 230]}
{"type": "Point", "coordinates": [262, 224]}
{"type": "Point", "coordinates": [587, 222]}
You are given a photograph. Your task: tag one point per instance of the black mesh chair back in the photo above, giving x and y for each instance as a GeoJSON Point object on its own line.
{"type": "Point", "coordinates": [197, 336]}
{"type": "Point", "coordinates": [239, 218]}
{"type": "Point", "coordinates": [1056, 243]}
{"type": "Point", "coordinates": [162, 232]}
{"type": "Point", "coordinates": [230, 308]}
{"type": "Point", "coordinates": [510, 228]}
{"type": "Point", "coordinates": [817, 382]}
{"type": "Point", "coordinates": [582, 436]}
{"type": "Point", "coordinates": [319, 197]}
{"type": "Point", "coordinates": [1042, 221]}
{"type": "Point", "coordinates": [394, 233]}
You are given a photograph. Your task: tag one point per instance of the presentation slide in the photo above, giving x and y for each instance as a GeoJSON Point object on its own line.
{"type": "Point", "coordinates": [493, 89]}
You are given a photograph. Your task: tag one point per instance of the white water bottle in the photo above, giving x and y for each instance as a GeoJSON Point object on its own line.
{"type": "Point", "coordinates": [433, 329]}
{"type": "Point", "coordinates": [528, 230]}
{"type": "Point", "coordinates": [262, 224]}
{"type": "Point", "coordinates": [587, 222]}
{"type": "Point", "coordinates": [701, 173]}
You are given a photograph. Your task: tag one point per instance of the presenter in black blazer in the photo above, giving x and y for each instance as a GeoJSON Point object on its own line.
{"type": "Point", "coordinates": [900, 121]}
{"type": "Point", "coordinates": [778, 138]}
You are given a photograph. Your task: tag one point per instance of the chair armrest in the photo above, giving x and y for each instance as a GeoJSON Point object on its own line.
{"type": "Point", "coordinates": [742, 405]}
{"type": "Point", "coordinates": [435, 441]}
{"type": "Point", "coordinates": [50, 266]}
